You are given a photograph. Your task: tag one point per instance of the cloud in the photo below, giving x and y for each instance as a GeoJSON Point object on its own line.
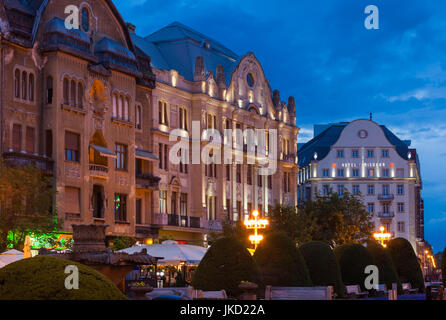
{"type": "Point", "coordinates": [440, 219]}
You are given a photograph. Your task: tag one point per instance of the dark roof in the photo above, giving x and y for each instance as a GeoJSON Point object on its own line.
{"type": "Point", "coordinates": [321, 144]}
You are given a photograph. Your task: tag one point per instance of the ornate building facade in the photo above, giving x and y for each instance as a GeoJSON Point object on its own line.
{"type": "Point", "coordinates": [94, 106]}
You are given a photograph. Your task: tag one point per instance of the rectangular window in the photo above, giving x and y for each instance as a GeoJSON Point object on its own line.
{"type": "Point", "coordinates": [163, 202]}
{"type": "Point", "coordinates": [325, 189]}
{"type": "Point", "coordinates": [400, 189]}
{"type": "Point", "coordinates": [326, 173]}
{"type": "Point", "coordinates": [371, 207]}
{"type": "Point", "coordinates": [162, 113]}
{"type": "Point", "coordinates": [356, 189]}
{"type": "Point", "coordinates": [370, 173]}
{"type": "Point", "coordinates": [121, 157]}
{"type": "Point", "coordinates": [183, 204]}
{"type": "Point", "coordinates": [340, 154]}
{"type": "Point", "coordinates": [385, 153]}
{"type": "Point", "coordinates": [341, 191]}
{"type": "Point", "coordinates": [138, 211]}
{"type": "Point", "coordinates": [183, 118]}
{"type": "Point", "coordinates": [259, 180]}
{"type": "Point", "coordinates": [355, 154]}
{"type": "Point", "coordinates": [160, 155]}
{"type": "Point", "coordinates": [120, 207]}
{"type": "Point", "coordinates": [401, 227]}
{"type": "Point", "coordinates": [72, 201]}
{"type": "Point", "coordinates": [386, 173]}
{"type": "Point", "coordinates": [340, 173]}
{"type": "Point", "coordinates": [370, 154]}
{"type": "Point", "coordinates": [400, 207]}
{"type": "Point", "coordinates": [355, 173]}
{"type": "Point", "coordinates": [16, 137]}
{"type": "Point", "coordinates": [385, 190]}
{"type": "Point", "coordinates": [370, 190]}
{"type": "Point", "coordinates": [166, 155]}
{"type": "Point", "coordinates": [173, 203]}
{"type": "Point", "coordinates": [72, 150]}
{"type": "Point", "coordinates": [30, 138]}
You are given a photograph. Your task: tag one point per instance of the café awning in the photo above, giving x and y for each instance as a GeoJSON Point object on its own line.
{"type": "Point", "coordinates": [103, 151]}
{"type": "Point", "coordinates": [145, 155]}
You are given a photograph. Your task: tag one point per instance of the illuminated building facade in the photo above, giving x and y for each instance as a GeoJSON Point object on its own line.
{"type": "Point", "coordinates": [366, 159]}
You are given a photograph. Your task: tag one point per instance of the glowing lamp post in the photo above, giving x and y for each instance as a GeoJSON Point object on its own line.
{"type": "Point", "coordinates": [382, 236]}
{"type": "Point", "coordinates": [256, 224]}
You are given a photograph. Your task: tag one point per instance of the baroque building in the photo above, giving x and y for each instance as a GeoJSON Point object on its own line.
{"type": "Point", "coordinates": [93, 106]}
{"type": "Point", "coordinates": [366, 159]}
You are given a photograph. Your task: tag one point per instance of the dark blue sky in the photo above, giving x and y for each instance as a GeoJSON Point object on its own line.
{"type": "Point", "coordinates": [320, 52]}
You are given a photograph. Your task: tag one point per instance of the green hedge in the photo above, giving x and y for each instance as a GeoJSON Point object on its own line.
{"type": "Point", "coordinates": [323, 266]}
{"type": "Point", "coordinates": [353, 259]}
{"type": "Point", "coordinates": [406, 263]}
{"type": "Point", "coordinates": [281, 263]}
{"type": "Point", "coordinates": [43, 278]}
{"type": "Point", "coordinates": [224, 266]}
{"type": "Point", "coordinates": [384, 262]}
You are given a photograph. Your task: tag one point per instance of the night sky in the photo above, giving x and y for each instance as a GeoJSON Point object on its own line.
{"type": "Point", "coordinates": [321, 53]}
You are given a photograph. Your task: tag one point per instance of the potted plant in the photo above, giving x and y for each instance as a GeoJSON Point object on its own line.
{"type": "Point", "coordinates": [140, 289]}
{"type": "Point", "coordinates": [249, 290]}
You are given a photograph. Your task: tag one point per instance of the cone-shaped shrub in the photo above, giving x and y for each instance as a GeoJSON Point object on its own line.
{"type": "Point", "coordinates": [353, 259]}
{"type": "Point", "coordinates": [406, 263]}
{"type": "Point", "coordinates": [224, 266]}
{"type": "Point", "coordinates": [280, 262]}
{"type": "Point", "coordinates": [43, 278]}
{"type": "Point", "coordinates": [323, 266]}
{"type": "Point", "coordinates": [384, 262]}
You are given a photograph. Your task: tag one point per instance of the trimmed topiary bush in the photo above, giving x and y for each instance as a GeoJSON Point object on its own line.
{"type": "Point", "coordinates": [225, 265]}
{"type": "Point", "coordinates": [322, 265]}
{"type": "Point", "coordinates": [353, 259]}
{"type": "Point", "coordinates": [281, 263]}
{"type": "Point", "coordinates": [406, 263]}
{"type": "Point", "coordinates": [384, 262]}
{"type": "Point", "coordinates": [43, 278]}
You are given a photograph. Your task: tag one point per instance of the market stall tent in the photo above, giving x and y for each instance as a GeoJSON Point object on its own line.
{"type": "Point", "coordinates": [10, 256]}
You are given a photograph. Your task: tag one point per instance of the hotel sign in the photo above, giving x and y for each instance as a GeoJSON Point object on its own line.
{"type": "Point", "coordinates": [365, 164]}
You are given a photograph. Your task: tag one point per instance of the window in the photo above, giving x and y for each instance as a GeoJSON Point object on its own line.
{"type": "Point", "coordinates": [73, 93]}
{"type": "Point", "coordinates": [356, 190]}
{"type": "Point", "coordinates": [138, 117]}
{"type": "Point", "coordinates": [16, 137]}
{"type": "Point", "coordinates": [66, 91]}
{"type": "Point", "coordinates": [183, 204]}
{"type": "Point", "coordinates": [162, 113]}
{"type": "Point", "coordinates": [325, 190]}
{"type": "Point", "coordinates": [183, 161]}
{"type": "Point", "coordinates": [115, 105]}
{"type": "Point", "coordinates": [370, 190]}
{"type": "Point", "coordinates": [385, 190]}
{"type": "Point", "coordinates": [126, 108]}
{"type": "Point", "coordinates": [173, 203]}
{"type": "Point", "coordinates": [72, 149]}
{"type": "Point", "coordinates": [385, 153]}
{"type": "Point", "coordinates": [386, 208]}
{"type": "Point", "coordinates": [386, 173]}
{"type": "Point", "coordinates": [238, 174]}
{"type": "Point", "coordinates": [72, 201]}
{"type": "Point", "coordinates": [259, 180]}
{"type": "Point", "coordinates": [80, 95]}
{"type": "Point", "coordinates": [370, 154]}
{"type": "Point", "coordinates": [355, 173]}
{"type": "Point", "coordinates": [340, 154]}
{"type": "Point", "coordinates": [183, 118]}
{"type": "Point", "coordinates": [228, 172]}
{"type": "Point", "coordinates": [355, 154]}
{"type": "Point", "coordinates": [24, 85]}
{"type": "Point", "coordinates": [120, 207]}
{"type": "Point", "coordinates": [17, 84]}
{"type": "Point", "coordinates": [371, 207]}
{"type": "Point", "coordinates": [400, 189]}
{"type": "Point", "coordinates": [30, 138]}
{"type": "Point", "coordinates": [121, 157]}
{"type": "Point", "coordinates": [370, 173]}
{"type": "Point", "coordinates": [163, 155]}
{"type": "Point", "coordinates": [285, 147]}
{"type": "Point", "coordinates": [401, 227]}
{"type": "Point", "coordinates": [286, 182]}
{"type": "Point", "coordinates": [49, 90]}
{"type": "Point", "coordinates": [340, 172]}
{"type": "Point", "coordinates": [138, 211]}
{"type": "Point", "coordinates": [31, 87]}
{"type": "Point", "coordinates": [163, 202]}
{"type": "Point", "coordinates": [341, 191]}
{"type": "Point", "coordinates": [249, 175]}
{"type": "Point", "coordinates": [401, 207]}
{"type": "Point", "coordinates": [326, 173]}
{"type": "Point", "coordinates": [211, 121]}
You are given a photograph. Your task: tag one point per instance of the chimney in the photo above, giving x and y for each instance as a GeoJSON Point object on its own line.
{"type": "Point", "coordinates": [221, 76]}
{"type": "Point", "coordinates": [276, 98]}
{"type": "Point", "coordinates": [199, 69]}
{"type": "Point", "coordinates": [291, 106]}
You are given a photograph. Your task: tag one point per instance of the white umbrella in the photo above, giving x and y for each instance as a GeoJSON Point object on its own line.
{"type": "Point", "coordinates": [10, 256]}
{"type": "Point", "coordinates": [172, 253]}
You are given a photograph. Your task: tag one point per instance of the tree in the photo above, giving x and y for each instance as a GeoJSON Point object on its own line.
{"type": "Point", "coordinates": [26, 198]}
{"type": "Point", "coordinates": [124, 242]}
{"type": "Point", "coordinates": [224, 266]}
{"type": "Point", "coordinates": [280, 262]}
{"type": "Point", "coordinates": [339, 219]}
{"type": "Point", "coordinates": [231, 229]}
{"type": "Point", "coordinates": [297, 224]}
{"type": "Point", "coordinates": [406, 262]}
{"type": "Point", "coordinates": [353, 258]}
{"type": "Point", "coordinates": [322, 265]}
{"type": "Point", "coordinates": [384, 262]}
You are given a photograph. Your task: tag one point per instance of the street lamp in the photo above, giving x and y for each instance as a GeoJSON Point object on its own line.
{"type": "Point", "coordinates": [255, 224]}
{"type": "Point", "coordinates": [382, 236]}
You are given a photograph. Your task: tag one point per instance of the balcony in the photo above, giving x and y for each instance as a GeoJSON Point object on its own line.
{"type": "Point", "coordinates": [147, 181]}
{"type": "Point", "coordinates": [17, 159]}
{"type": "Point", "coordinates": [214, 225]}
{"type": "Point", "coordinates": [386, 215]}
{"type": "Point", "coordinates": [98, 171]}
{"type": "Point", "coordinates": [175, 220]}
{"type": "Point", "coordinates": [386, 197]}
{"type": "Point", "coordinates": [194, 222]}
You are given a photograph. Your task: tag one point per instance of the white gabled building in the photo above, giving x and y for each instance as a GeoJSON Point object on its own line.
{"type": "Point", "coordinates": [366, 158]}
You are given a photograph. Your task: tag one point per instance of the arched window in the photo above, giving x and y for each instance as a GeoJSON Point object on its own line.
{"type": "Point", "coordinates": [115, 105]}
{"type": "Point", "coordinates": [24, 85]}
{"type": "Point", "coordinates": [31, 87]}
{"type": "Point", "coordinates": [66, 91]}
{"type": "Point", "coordinates": [120, 104]}
{"type": "Point", "coordinates": [17, 84]}
{"type": "Point", "coordinates": [73, 93]}
{"type": "Point", "coordinates": [85, 18]}
{"type": "Point", "coordinates": [49, 90]}
{"type": "Point", "coordinates": [126, 108]}
{"type": "Point", "coordinates": [138, 116]}
{"type": "Point", "coordinates": [80, 95]}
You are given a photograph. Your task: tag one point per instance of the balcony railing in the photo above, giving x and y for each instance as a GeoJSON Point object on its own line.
{"type": "Point", "coordinates": [195, 222]}
{"type": "Point", "coordinates": [98, 170]}
{"type": "Point", "coordinates": [386, 215]}
{"type": "Point", "coordinates": [173, 220]}
{"type": "Point", "coordinates": [147, 181]}
{"type": "Point", "coordinates": [214, 225]}
{"type": "Point", "coordinates": [16, 159]}
{"type": "Point", "coordinates": [386, 197]}
{"type": "Point", "coordinates": [178, 221]}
